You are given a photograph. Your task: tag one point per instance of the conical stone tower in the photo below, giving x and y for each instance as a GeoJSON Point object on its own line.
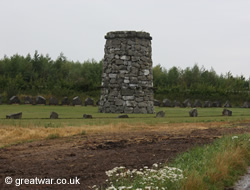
{"type": "Point", "coordinates": [127, 78]}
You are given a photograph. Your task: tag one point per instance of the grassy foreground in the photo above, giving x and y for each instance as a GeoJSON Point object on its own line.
{"type": "Point", "coordinates": [210, 167]}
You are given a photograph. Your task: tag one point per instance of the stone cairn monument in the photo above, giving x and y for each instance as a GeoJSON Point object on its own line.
{"type": "Point", "coordinates": [127, 78]}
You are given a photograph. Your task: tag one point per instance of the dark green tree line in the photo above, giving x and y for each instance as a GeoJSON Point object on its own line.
{"type": "Point", "coordinates": [199, 83]}
{"type": "Point", "coordinates": [39, 74]}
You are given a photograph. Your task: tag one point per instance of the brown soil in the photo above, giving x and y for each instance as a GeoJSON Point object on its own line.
{"type": "Point", "coordinates": [88, 157]}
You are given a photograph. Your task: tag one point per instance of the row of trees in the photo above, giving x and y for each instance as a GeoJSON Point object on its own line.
{"type": "Point", "coordinates": [39, 74]}
{"type": "Point", "coordinates": [42, 75]}
{"type": "Point", "coordinates": [200, 83]}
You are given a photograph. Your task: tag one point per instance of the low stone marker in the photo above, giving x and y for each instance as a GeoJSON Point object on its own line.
{"type": "Point", "coordinates": [40, 100]}
{"type": "Point", "coordinates": [53, 101]}
{"type": "Point", "coordinates": [14, 100]}
{"type": "Point", "coordinates": [193, 112]}
{"type": "Point", "coordinates": [15, 116]}
{"type": "Point", "coordinates": [227, 104]}
{"type": "Point", "coordinates": [187, 103]}
{"type": "Point", "coordinates": [0, 99]}
{"type": "Point", "coordinates": [207, 104]}
{"type": "Point", "coordinates": [166, 103]}
{"type": "Point", "coordinates": [245, 105]}
{"type": "Point", "coordinates": [197, 103]}
{"type": "Point", "coordinates": [53, 115]}
{"type": "Point", "coordinates": [28, 100]}
{"type": "Point", "coordinates": [156, 103]}
{"type": "Point", "coordinates": [216, 104]}
{"type": "Point", "coordinates": [177, 104]}
{"type": "Point", "coordinates": [76, 101]}
{"type": "Point", "coordinates": [65, 101]}
{"type": "Point", "coordinates": [227, 112]}
{"type": "Point", "coordinates": [86, 116]}
{"type": "Point", "coordinates": [89, 102]}
{"type": "Point", "coordinates": [160, 114]}
{"type": "Point", "coordinates": [123, 116]}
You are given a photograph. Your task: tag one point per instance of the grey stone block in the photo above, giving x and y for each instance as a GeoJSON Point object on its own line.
{"type": "Point", "coordinates": [193, 112]}
{"type": "Point", "coordinates": [53, 115]}
{"type": "Point", "coordinates": [227, 112]}
{"type": "Point", "coordinates": [123, 116]}
{"type": "Point", "coordinates": [160, 114]}
{"type": "Point", "coordinates": [76, 101]}
{"type": "Point", "coordinates": [14, 100]}
{"type": "Point", "coordinates": [14, 116]}
{"type": "Point", "coordinates": [40, 100]}
{"type": "Point", "coordinates": [87, 116]}
{"type": "Point", "coordinates": [53, 101]}
{"type": "Point", "coordinates": [89, 102]}
{"type": "Point", "coordinates": [65, 101]}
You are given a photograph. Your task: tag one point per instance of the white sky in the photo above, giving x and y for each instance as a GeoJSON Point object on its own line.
{"type": "Point", "coordinates": [212, 33]}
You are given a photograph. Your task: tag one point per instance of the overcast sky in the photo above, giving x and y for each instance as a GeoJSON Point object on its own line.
{"type": "Point", "coordinates": [213, 33]}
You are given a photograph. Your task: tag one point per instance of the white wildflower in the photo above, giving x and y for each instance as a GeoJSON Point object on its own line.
{"type": "Point", "coordinates": [235, 137]}
{"type": "Point", "coordinates": [155, 165]}
{"type": "Point", "coordinates": [122, 187]}
{"type": "Point", "coordinates": [139, 173]}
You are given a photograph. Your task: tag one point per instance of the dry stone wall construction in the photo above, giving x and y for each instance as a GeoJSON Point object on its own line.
{"type": "Point", "coordinates": [127, 78]}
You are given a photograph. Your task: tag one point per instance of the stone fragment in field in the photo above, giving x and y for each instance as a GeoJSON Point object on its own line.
{"type": "Point", "coordinates": [0, 99]}
{"type": "Point", "coordinates": [76, 101]}
{"type": "Point", "coordinates": [160, 114]}
{"type": "Point", "coordinates": [207, 104]}
{"type": "Point", "coordinates": [245, 105]}
{"type": "Point", "coordinates": [227, 104]}
{"type": "Point", "coordinates": [89, 102]}
{"type": "Point", "coordinates": [197, 103]}
{"type": "Point", "coordinates": [166, 103]}
{"type": "Point", "coordinates": [87, 116]}
{"type": "Point", "coordinates": [156, 102]}
{"type": "Point", "coordinates": [227, 112]}
{"type": "Point", "coordinates": [40, 100]}
{"type": "Point", "coordinates": [216, 104]}
{"type": "Point", "coordinates": [193, 112]}
{"type": "Point", "coordinates": [14, 100]}
{"type": "Point", "coordinates": [177, 104]}
{"type": "Point", "coordinates": [65, 101]}
{"type": "Point", "coordinates": [53, 115]}
{"type": "Point", "coordinates": [123, 116]}
{"type": "Point", "coordinates": [187, 103]}
{"type": "Point", "coordinates": [28, 100]}
{"type": "Point", "coordinates": [53, 101]}
{"type": "Point", "coordinates": [14, 116]}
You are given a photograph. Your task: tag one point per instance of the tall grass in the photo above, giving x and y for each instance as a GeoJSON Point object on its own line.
{"type": "Point", "coordinates": [215, 166]}
{"type": "Point", "coordinates": [13, 135]}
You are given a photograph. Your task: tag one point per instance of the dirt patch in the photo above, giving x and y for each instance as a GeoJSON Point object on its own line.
{"type": "Point", "coordinates": [88, 157]}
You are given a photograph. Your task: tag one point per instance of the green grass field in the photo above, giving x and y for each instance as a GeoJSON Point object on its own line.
{"type": "Point", "coordinates": [73, 116]}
